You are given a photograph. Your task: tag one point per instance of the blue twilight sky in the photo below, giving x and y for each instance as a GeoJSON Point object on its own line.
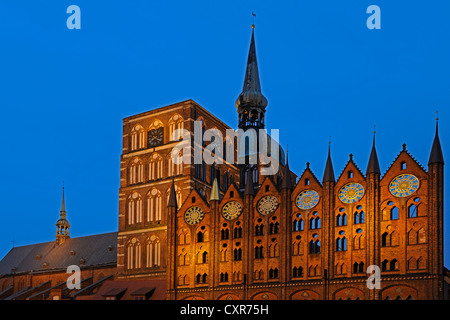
{"type": "Point", "coordinates": [64, 93]}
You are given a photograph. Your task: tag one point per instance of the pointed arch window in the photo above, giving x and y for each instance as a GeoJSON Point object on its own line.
{"type": "Point", "coordinates": [412, 211]}
{"type": "Point", "coordinates": [359, 216]}
{"type": "Point", "coordinates": [237, 254]}
{"type": "Point", "coordinates": [137, 138]}
{"type": "Point", "coordinates": [154, 206]}
{"type": "Point", "coordinates": [314, 246]}
{"type": "Point", "coordinates": [297, 272]}
{"type": "Point", "coordinates": [259, 230]}
{"type": "Point", "coordinates": [394, 213]}
{"type": "Point", "coordinates": [135, 171]}
{"type": "Point", "coordinates": [133, 254]}
{"type": "Point", "coordinates": [134, 209]}
{"type": "Point", "coordinates": [298, 225]}
{"type": "Point", "coordinates": [176, 123]}
{"type": "Point", "coordinates": [341, 244]}
{"type": "Point", "coordinates": [153, 253]}
{"type": "Point", "coordinates": [237, 233]}
{"type": "Point", "coordinates": [341, 220]}
{"type": "Point", "coordinates": [200, 236]}
{"type": "Point", "coordinates": [274, 228]}
{"type": "Point", "coordinates": [156, 167]}
{"type": "Point", "coordinates": [224, 234]}
{"type": "Point", "coordinates": [259, 254]}
{"type": "Point", "coordinates": [273, 273]}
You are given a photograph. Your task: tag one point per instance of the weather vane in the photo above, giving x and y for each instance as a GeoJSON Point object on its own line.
{"type": "Point", "coordinates": [254, 15]}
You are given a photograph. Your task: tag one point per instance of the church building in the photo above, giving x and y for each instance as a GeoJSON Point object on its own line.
{"type": "Point", "coordinates": [194, 230]}
{"type": "Point", "coordinates": [227, 232]}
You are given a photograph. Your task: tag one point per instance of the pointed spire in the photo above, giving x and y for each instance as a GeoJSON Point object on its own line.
{"type": "Point", "coordinates": [62, 225]}
{"type": "Point", "coordinates": [436, 155]}
{"type": "Point", "coordinates": [249, 186]}
{"type": "Point", "coordinates": [287, 179]}
{"type": "Point", "coordinates": [215, 195]}
{"type": "Point", "coordinates": [63, 205]}
{"type": "Point", "coordinates": [251, 92]}
{"type": "Point", "coordinates": [373, 166]}
{"type": "Point", "coordinates": [172, 197]}
{"type": "Point", "coordinates": [329, 171]}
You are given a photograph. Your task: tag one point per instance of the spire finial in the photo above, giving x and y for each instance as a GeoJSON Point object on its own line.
{"type": "Point", "coordinates": [251, 96]}
{"type": "Point", "coordinates": [63, 205]}
{"type": "Point", "coordinates": [62, 225]}
{"type": "Point", "coordinates": [373, 166]}
{"type": "Point", "coordinates": [374, 132]}
{"type": "Point", "coordinates": [253, 22]}
{"type": "Point", "coordinates": [436, 155]}
{"type": "Point", "coordinates": [328, 175]}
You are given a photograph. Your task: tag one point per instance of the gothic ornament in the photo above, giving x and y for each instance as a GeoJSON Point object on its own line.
{"type": "Point", "coordinates": [231, 210]}
{"type": "Point", "coordinates": [404, 185]}
{"type": "Point", "coordinates": [307, 199]}
{"type": "Point", "coordinates": [193, 215]}
{"type": "Point", "coordinates": [267, 205]}
{"type": "Point", "coordinates": [351, 192]}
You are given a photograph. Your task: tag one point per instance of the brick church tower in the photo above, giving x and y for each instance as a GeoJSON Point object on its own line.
{"type": "Point", "coordinates": [225, 231]}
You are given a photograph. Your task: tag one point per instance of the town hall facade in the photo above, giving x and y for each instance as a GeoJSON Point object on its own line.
{"type": "Point", "coordinates": [227, 232]}
{"type": "Point", "coordinates": [196, 230]}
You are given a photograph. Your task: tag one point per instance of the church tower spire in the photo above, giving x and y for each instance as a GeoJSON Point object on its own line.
{"type": "Point", "coordinates": [436, 155]}
{"type": "Point", "coordinates": [251, 103]}
{"type": "Point", "coordinates": [373, 166]}
{"type": "Point", "coordinates": [329, 171]}
{"type": "Point", "coordinates": [287, 180]}
{"type": "Point", "coordinates": [62, 225]}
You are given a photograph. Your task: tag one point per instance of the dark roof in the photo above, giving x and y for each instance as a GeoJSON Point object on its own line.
{"type": "Point", "coordinates": [373, 166]}
{"type": "Point", "coordinates": [251, 91]}
{"type": "Point", "coordinates": [436, 155]}
{"type": "Point", "coordinates": [329, 171]}
{"type": "Point", "coordinates": [249, 186]}
{"type": "Point", "coordinates": [151, 289]}
{"type": "Point", "coordinates": [172, 197]}
{"type": "Point", "coordinates": [99, 249]}
{"type": "Point", "coordinates": [287, 179]}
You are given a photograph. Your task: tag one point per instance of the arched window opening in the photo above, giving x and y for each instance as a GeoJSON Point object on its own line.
{"type": "Point", "coordinates": [412, 211]}
{"type": "Point", "coordinates": [200, 236]}
{"type": "Point", "coordinates": [394, 213]}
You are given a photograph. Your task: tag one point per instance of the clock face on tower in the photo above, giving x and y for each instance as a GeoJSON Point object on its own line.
{"type": "Point", "coordinates": [231, 210]}
{"type": "Point", "coordinates": [351, 193]}
{"type": "Point", "coordinates": [155, 137]}
{"type": "Point", "coordinates": [404, 185]}
{"type": "Point", "coordinates": [267, 205]}
{"type": "Point", "coordinates": [193, 215]}
{"type": "Point", "coordinates": [307, 199]}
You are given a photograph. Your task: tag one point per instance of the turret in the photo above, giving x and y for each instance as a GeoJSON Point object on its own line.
{"type": "Point", "coordinates": [62, 225]}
